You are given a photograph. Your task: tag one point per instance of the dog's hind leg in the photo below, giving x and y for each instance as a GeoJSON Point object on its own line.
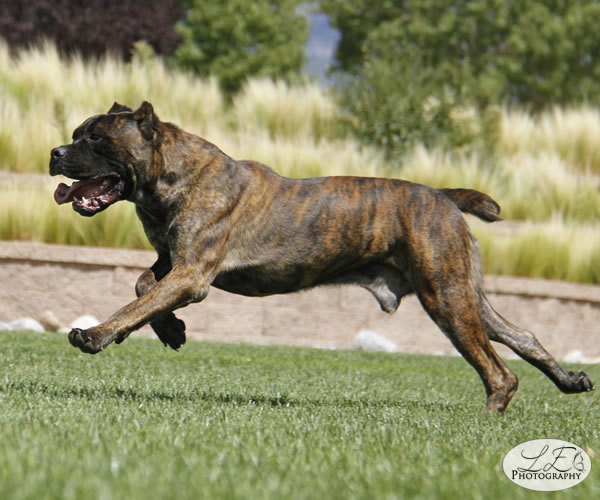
{"type": "Point", "coordinates": [526, 345]}
{"type": "Point", "coordinates": [169, 329]}
{"type": "Point", "coordinates": [446, 277]}
{"type": "Point", "coordinates": [455, 311]}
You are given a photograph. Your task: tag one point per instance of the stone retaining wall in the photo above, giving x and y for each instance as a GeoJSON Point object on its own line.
{"type": "Point", "coordinates": [71, 281]}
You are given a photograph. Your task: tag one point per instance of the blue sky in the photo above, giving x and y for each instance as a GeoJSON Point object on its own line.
{"type": "Point", "coordinates": [321, 46]}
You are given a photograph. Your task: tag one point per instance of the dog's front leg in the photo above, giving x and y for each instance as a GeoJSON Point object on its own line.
{"type": "Point", "coordinates": [182, 286]}
{"type": "Point", "coordinates": [168, 328]}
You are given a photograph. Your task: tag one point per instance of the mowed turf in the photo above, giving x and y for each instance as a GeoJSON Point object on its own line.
{"type": "Point", "coordinates": [239, 421]}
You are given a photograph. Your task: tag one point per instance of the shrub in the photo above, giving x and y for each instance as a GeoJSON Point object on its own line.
{"type": "Point", "coordinates": [399, 56]}
{"type": "Point", "coordinates": [393, 106]}
{"type": "Point", "coordinates": [530, 52]}
{"type": "Point", "coordinates": [91, 27]}
{"type": "Point", "coordinates": [237, 39]}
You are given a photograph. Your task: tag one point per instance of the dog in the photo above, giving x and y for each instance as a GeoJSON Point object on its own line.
{"type": "Point", "coordinates": [241, 227]}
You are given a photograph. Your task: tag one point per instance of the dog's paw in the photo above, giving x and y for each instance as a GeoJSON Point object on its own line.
{"type": "Point", "coordinates": [170, 330]}
{"type": "Point", "coordinates": [82, 339]}
{"type": "Point", "coordinates": [581, 382]}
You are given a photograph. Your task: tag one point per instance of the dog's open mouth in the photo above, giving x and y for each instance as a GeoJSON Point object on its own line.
{"type": "Point", "coordinates": [92, 195]}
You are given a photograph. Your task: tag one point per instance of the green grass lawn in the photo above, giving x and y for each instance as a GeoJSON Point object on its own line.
{"type": "Point", "coordinates": [238, 421]}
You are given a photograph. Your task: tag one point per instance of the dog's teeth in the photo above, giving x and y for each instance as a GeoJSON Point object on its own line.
{"type": "Point", "coordinates": [105, 183]}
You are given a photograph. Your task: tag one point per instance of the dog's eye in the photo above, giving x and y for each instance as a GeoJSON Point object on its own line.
{"type": "Point", "coordinates": [95, 137]}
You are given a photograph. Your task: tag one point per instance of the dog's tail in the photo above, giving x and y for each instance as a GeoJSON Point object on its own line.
{"type": "Point", "coordinates": [474, 202]}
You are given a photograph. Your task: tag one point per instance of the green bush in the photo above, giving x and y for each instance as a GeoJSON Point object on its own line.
{"type": "Point", "coordinates": [401, 55]}
{"type": "Point", "coordinates": [531, 52]}
{"type": "Point", "coordinates": [236, 40]}
{"type": "Point", "coordinates": [393, 106]}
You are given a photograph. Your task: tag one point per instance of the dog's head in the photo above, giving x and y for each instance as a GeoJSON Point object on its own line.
{"type": "Point", "coordinates": [106, 153]}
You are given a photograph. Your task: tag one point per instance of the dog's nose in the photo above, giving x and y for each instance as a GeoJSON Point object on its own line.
{"type": "Point", "coordinates": [58, 152]}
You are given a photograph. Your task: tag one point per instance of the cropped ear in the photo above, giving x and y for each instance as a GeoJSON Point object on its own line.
{"type": "Point", "coordinates": [119, 108]}
{"type": "Point", "coordinates": [147, 120]}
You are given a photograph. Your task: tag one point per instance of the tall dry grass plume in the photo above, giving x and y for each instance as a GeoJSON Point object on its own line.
{"type": "Point", "coordinates": [543, 169]}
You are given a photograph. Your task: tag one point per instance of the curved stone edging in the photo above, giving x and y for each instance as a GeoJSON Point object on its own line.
{"type": "Point", "coordinates": [71, 281]}
{"type": "Point", "coordinates": [142, 259]}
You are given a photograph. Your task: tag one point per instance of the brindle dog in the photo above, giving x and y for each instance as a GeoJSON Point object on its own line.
{"type": "Point", "coordinates": [239, 226]}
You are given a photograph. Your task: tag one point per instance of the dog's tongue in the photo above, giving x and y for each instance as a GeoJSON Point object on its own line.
{"type": "Point", "coordinates": [81, 189]}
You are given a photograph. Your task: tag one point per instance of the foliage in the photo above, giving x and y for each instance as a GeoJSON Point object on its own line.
{"type": "Point", "coordinates": [542, 251]}
{"type": "Point", "coordinates": [530, 52]}
{"type": "Point", "coordinates": [544, 166]}
{"type": "Point", "coordinates": [470, 52]}
{"type": "Point", "coordinates": [91, 27]}
{"type": "Point", "coordinates": [285, 111]}
{"type": "Point", "coordinates": [236, 40]}
{"type": "Point", "coordinates": [534, 187]}
{"type": "Point", "coordinates": [394, 106]}
{"type": "Point", "coordinates": [293, 128]}
{"type": "Point", "coordinates": [30, 214]}
{"type": "Point", "coordinates": [355, 20]}
{"type": "Point", "coordinates": [254, 422]}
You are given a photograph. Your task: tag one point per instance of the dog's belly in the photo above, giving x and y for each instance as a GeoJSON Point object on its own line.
{"type": "Point", "coordinates": [254, 282]}
{"type": "Point", "coordinates": [259, 281]}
